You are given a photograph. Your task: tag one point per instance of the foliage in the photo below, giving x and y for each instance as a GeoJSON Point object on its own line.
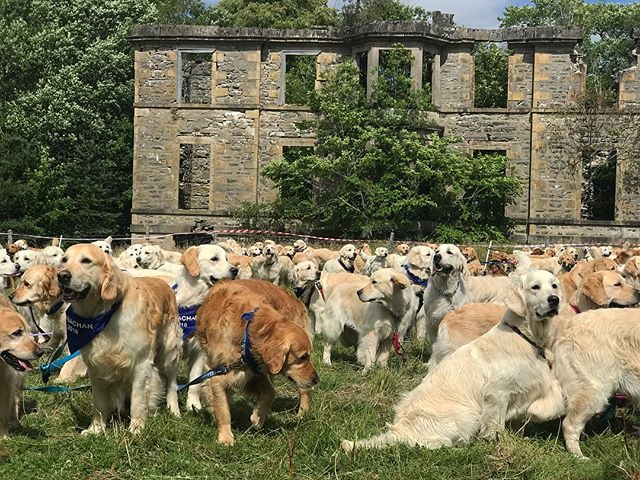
{"type": "Point", "coordinates": [491, 75]}
{"type": "Point", "coordinates": [356, 13]}
{"type": "Point", "coordinates": [607, 29]}
{"type": "Point", "coordinates": [270, 13]}
{"type": "Point", "coordinates": [378, 168]}
{"type": "Point", "coordinates": [300, 79]}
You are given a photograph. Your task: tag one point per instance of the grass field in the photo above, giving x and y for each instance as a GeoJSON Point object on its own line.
{"type": "Point", "coordinates": [347, 404]}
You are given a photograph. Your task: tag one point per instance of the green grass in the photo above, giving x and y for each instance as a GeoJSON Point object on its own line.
{"type": "Point", "coordinates": [347, 404]}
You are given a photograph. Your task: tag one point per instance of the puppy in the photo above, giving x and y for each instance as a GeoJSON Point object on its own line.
{"type": "Point", "coordinates": [105, 245]}
{"type": "Point", "coordinates": [274, 326]}
{"type": "Point", "coordinates": [345, 261]}
{"type": "Point", "coordinates": [135, 355]}
{"type": "Point", "coordinates": [17, 350]}
{"type": "Point", "coordinates": [502, 375]}
{"type": "Point", "coordinates": [387, 303]}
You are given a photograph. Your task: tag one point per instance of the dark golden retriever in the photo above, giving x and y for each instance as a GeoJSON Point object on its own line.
{"type": "Point", "coordinates": [277, 328]}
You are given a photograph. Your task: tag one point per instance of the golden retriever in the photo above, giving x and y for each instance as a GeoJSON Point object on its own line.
{"type": "Point", "coordinates": [135, 356]}
{"type": "Point", "coordinates": [502, 375]}
{"type": "Point", "coordinates": [17, 349]}
{"type": "Point", "coordinates": [275, 328]}
{"type": "Point", "coordinates": [596, 355]}
{"type": "Point", "coordinates": [367, 313]}
{"type": "Point", "coordinates": [271, 267]}
{"type": "Point", "coordinates": [345, 261]}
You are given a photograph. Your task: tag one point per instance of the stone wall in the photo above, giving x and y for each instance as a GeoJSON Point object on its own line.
{"type": "Point", "coordinates": [233, 119]}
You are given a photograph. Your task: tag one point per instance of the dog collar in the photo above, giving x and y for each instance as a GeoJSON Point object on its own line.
{"type": "Point", "coordinates": [348, 269]}
{"type": "Point", "coordinates": [416, 280]}
{"type": "Point", "coordinates": [320, 290]}
{"type": "Point", "coordinates": [247, 356]}
{"type": "Point", "coordinates": [538, 348]}
{"type": "Point", "coordinates": [81, 331]}
{"type": "Point", "coordinates": [298, 291]}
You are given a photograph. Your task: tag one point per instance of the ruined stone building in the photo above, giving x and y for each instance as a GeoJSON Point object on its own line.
{"type": "Point", "coordinates": [211, 111]}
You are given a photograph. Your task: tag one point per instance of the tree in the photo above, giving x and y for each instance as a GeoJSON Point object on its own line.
{"type": "Point", "coordinates": [378, 167]}
{"type": "Point", "coordinates": [607, 29]}
{"type": "Point", "coordinates": [491, 75]}
{"type": "Point", "coordinates": [356, 13]}
{"type": "Point", "coordinates": [270, 13]}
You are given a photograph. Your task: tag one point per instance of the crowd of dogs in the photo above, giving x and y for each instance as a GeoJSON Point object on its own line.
{"type": "Point", "coordinates": [529, 335]}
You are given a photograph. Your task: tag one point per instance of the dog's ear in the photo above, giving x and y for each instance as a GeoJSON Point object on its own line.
{"type": "Point", "coordinates": [524, 263]}
{"type": "Point", "coordinates": [111, 282]}
{"type": "Point", "coordinates": [108, 240]}
{"type": "Point", "coordinates": [190, 261]}
{"type": "Point", "coordinates": [514, 300]}
{"type": "Point", "coordinates": [50, 285]}
{"type": "Point", "coordinates": [274, 354]}
{"type": "Point", "coordinates": [400, 280]}
{"type": "Point", "coordinates": [593, 288]}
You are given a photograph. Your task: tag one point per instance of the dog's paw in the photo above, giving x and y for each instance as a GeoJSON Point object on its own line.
{"type": "Point", "coordinates": [347, 445]}
{"type": "Point", "coordinates": [194, 405]}
{"type": "Point", "coordinates": [226, 439]}
{"type": "Point", "coordinates": [93, 430]}
{"type": "Point", "coordinates": [257, 420]}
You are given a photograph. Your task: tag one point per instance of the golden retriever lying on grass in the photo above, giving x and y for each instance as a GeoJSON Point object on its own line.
{"type": "Point", "coordinates": [135, 355]}
{"type": "Point", "coordinates": [502, 375]}
{"type": "Point", "coordinates": [257, 330]}
{"type": "Point", "coordinates": [17, 349]}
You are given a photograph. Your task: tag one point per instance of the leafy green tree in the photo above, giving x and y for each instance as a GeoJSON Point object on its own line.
{"type": "Point", "coordinates": [356, 13]}
{"type": "Point", "coordinates": [270, 13]}
{"type": "Point", "coordinates": [491, 75]}
{"type": "Point", "coordinates": [376, 167]}
{"type": "Point", "coordinates": [607, 29]}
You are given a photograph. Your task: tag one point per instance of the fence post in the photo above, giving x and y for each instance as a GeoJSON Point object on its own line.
{"type": "Point", "coordinates": [146, 234]}
{"type": "Point", "coordinates": [488, 251]}
{"type": "Point", "coordinates": [391, 238]}
{"type": "Point", "coordinates": [9, 236]}
{"type": "Point", "coordinates": [214, 236]}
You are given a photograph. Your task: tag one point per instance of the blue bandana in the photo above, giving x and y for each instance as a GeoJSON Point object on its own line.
{"type": "Point", "coordinates": [298, 291]}
{"type": "Point", "coordinates": [80, 330]}
{"type": "Point", "coordinates": [187, 317]}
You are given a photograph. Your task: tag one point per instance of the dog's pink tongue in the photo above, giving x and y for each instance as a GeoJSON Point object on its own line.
{"type": "Point", "coordinates": [25, 365]}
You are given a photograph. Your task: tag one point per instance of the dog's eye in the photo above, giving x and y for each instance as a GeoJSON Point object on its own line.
{"type": "Point", "coordinates": [617, 284]}
{"type": "Point", "coordinates": [554, 286]}
{"type": "Point", "coordinates": [27, 259]}
{"type": "Point", "coordinates": [17, 333]}
{"type": "Point", "coordinates": [304, 357]}
{"type": "Point", "coordinates": [373, 282]}
{"type": "Point", "coordinates": [309, 268]}
{"type": "Point", "coordinates": [214, 259]}
{"type": "Point", "coordinates": [85, 260]}
{"type": "Point", "coordinates": [535, 287]}
{"type": "Point", "coordinates": [27, 284]}
{"type": "Point", "coordinates": [64, 259]}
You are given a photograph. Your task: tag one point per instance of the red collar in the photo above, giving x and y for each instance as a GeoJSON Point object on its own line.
{"type": "Point", "coordinates": [575, 309]}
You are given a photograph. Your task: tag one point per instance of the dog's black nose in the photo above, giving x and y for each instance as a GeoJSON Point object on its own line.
{"type": "Point", "coordinates": [17, 268]}
{"type": "Point", "coordinates": [234, 271]}
{"type": "Point", "coordinates": [437, 257]}
{"type": "Point", "coordinates": [64, 277]}
{"type": "Point", "coordinates": [318, 274]}
{"type": "Point", "coordinates": [553, 300]}
{"type": "Point", "coordinates": [138, 258]}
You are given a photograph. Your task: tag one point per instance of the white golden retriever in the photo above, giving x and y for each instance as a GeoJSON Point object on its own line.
{"type": "Point", "coordinates": [502, 375]}
{"type": "Point", "coordinates": [366, 313]}
{"type": "Point", "coordinates": [135, 356]}
{"type": "Point", "coordinates": [345, 261]}
{"type": "Point", "coordinates": [105, 245]}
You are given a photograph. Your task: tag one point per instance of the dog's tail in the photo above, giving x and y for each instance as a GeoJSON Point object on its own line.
{"type": "Point", "coordinates": [383, 440]}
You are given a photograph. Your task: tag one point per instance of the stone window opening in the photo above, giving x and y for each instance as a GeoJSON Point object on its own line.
{"type": "Point", "coordinates": [599, 185]}
{"type": "Point", "coordinates": [298, 80]}
{"type": "Point", "coordinates": [362, 61]}
{"type": "Point", "coordinates": [194, 179]}
{"type": "Point", "coordinates": [491, 75]}
{"type": "Point", "coordinates": [383, 60]}
{"type": "Point", "coordinates": [194, 76]}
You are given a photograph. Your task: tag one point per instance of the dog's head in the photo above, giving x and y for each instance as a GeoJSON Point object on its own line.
{"type": "Point", "coordinates": [348, 252]}
{"type": "Point", "coordinates": [469, 253]}
{"type": "Point", "coordinates": [447, 259]}
{"type": "Point", "coordinates": [52, 255]}
{"type": "Point", "coordinates": [383, 286]}
{"type": "Point", "coordinates": [303, 273]}
{"type": "Point", "coordinates": [299, 245]}
{"type": "Point", "coordinates": [289, 251]}
{"type": "Point", "coordinates": [132, 251]}
{"type": "Point", "coordinates": [601, 264]}
{"type": "Point", "coordinates": [420, 257]}
{"type": "Point", "coordinates": [89, 273]}
{"type": "Point", "coordinates": [255, 250]}
{"type": "Point", "coordinates": [567, 260]}
{"type": "Point", "coordinates": [7, 267]}
{"type": "Point", "coordinates": [382, 252]}
{"type": "Point", "coordinates": [151, 256]}
{"type": "Point", "coordinates": [17, 246]}
{"type": "Point", "coordinates": [270, 251]}
{"type": "Point", "coordinates": [607, 251]}
{"type": "Point", "coordinates": [38, 284]}
{"type": "Point", "coordinates": [608, 289]}
{"type": "Point", "coordinates": [17, 347]}
{"type": "Point", "coordinates": [26, 259]}
{"type": "Point", "coordinates": [402, 249]}
{"type": "Point", "coordinates": [285, 349]}
{"type": "Point", "coordinates": [536, 295]}
{"type": "Point", "coordinates": [105, 245]}
{"type": "Point", "coordinates": [209, 263]}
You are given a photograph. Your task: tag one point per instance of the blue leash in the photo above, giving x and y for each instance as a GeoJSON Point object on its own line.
{"type": "Point", "coordinates": [214, 372]}
{"type": "Point", "coordinates": [56, 388]}
{"type": "Point", "coordinates": [55, 363]}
